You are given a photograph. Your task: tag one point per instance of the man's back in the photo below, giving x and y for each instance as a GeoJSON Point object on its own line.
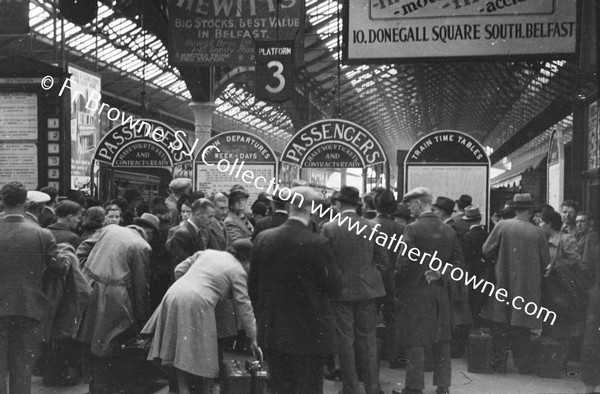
{"type": "Point", "coordinates": [288, 275]}
{"type": "Point", "coordinates": [25, 250]}
{"type": "Point", "coordinates": [521, 253]}
{"type": "Point", "coordinates": [356, 258]}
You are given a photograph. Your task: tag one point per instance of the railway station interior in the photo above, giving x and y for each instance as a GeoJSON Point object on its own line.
{"type": "Point", "coordinates": [75, 76]}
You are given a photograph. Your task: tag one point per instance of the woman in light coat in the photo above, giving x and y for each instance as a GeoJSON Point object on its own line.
{"type": "Point", "coordinates": [184, 326]}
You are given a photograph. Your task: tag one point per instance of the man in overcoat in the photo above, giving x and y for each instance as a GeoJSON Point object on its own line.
{"type": "Point", "coordinates": [27, 250]}
{"type": "Point", "coordinates": [521, 254]}
{"type": "Point", "coordinates": [287, 285]}
{"type": "Point", "coordinates": [424, 314]}
{"type": "Point", "coordinates": [118, 266]}
{"type": "Point", "coordinates": [355, 308]}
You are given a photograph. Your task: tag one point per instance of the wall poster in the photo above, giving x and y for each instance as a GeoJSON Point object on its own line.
{"type": "Point", "coordinates": [85, 125]}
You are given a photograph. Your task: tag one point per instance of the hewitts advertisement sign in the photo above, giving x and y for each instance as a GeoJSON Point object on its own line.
{"type": "Point", "coordinates": [333, 143]}
{"type": "Point", "coordinates": [223, 32]}
{"type": "Point", "coordinates": [396, 30]}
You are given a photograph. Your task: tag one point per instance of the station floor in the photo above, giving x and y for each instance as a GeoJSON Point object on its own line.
{"type": "Point", "coordinates": [463, 382]}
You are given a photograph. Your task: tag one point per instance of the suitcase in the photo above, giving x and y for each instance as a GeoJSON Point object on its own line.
{"type": "Point", "coordinates": [259, 370]}
{"type": "Point", "coordinates": [550, 354]}
{"type": "Point", "coordinates": [234, 378]}
{"type": "Point", "coordinates": [480, 351]}
{"type": "Point", "coordinates": [137, 348]}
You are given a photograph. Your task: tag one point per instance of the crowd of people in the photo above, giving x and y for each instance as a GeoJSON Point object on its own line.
{"type": "Point", "coordinates": [78, 278]}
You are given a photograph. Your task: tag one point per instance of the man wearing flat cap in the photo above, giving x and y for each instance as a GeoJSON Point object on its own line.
{"type": "Point", "coordinates": [521, 254]}
{"type": "Point", "coordinates": [290, 274]}
{"type": "Point", "coordinates": [424, 313]}
{"type": "Point", "coordinates": [354, 308]}
{"type": "Point", "coordinates": [36, 201]}
{"type": "Point", "coordinates": [178, 187]}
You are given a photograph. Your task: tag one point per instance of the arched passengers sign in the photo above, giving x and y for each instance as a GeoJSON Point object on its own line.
{"type": "Point", "coordinates": [450, 163]}
{"type": "Point", "coordinates": [333, 143]}
{"type": "Point", "coordinates": [143, 143]}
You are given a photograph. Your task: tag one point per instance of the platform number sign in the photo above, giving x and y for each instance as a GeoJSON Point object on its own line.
{"type": "Point", "coordinates": [275, 71]}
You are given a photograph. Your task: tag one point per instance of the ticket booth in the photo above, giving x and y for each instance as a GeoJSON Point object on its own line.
{"type": "Point", "coordinates": [143, 154]}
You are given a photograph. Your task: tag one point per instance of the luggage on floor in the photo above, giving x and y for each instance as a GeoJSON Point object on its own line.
{"type": "Point", "coordinates": [480, 351]}
{"type": "Point", "coordinates": [234, 378]}
{"type": "Point", "coordinates": [549, 355]}
{"type": "Point", "coordinates": [259, 371]}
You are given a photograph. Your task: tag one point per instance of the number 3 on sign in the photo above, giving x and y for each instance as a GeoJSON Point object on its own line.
{"type": "Point", "coordinates": [277, 74]}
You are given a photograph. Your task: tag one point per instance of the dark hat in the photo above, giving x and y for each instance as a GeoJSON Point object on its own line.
{"type": "Point", "coordinates": [402, 211]}
{"type": "Point", "coordinates": [275, 198]}
{"type": "Point", "coordinates": [148, 219]}
{"type": "Point", "coordinates": [522, 201]}
{"type": "Point", "coordinates": [472, 213]}
{"type": "Point", "coordinates": [445, 204]}
{"type": "Point", "coordinates": [236, 195]}
{"type": "Point", "coordinates": [347, 194]}
{"type": "Point", "coordinates": [417, 192]}
{"type": "Point", "coordinates": [464, 201]}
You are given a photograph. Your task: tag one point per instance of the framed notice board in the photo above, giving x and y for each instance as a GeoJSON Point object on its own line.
{"type": "Point", "coordinates": [34, 129]}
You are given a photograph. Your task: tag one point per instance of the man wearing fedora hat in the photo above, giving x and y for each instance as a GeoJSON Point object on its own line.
{"type": "Point", "coordinates": [117, 263]}
{"type": "Point", "coordinates": [521, 254]}
{"type": "Point", "coordinates": [475, 262]}
{"type": "Point", "coordinates": [464, 201]}
{"type": "Point", "coordinates": [277, 218]}
{"type": "Point", "coordinates": [424, 310]}
{"type": "Point", "coordinates": [355, 309]}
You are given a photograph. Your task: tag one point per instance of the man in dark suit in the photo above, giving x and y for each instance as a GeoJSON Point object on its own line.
{"type": "Point", "coordinates": [27, 250]}
{"type": "Point", "coordinates": [386, 204]}
{"type": "Point", "coordinates": [192, 235]}
{"type": "Point", "coordinates": [218, 239]}
{"type": "Point", "coordinates": [422, 293]}
{"type": "Point", "coordinates": [287, 284]}
{"type": "Point", "coordinates": [475, 263]}
{"type": "Point", "coordinates": [355, 308]}
{"type": "Point", "coordinates": [277, 218]}
{"type": "Point", "coordinates": [461, 314]}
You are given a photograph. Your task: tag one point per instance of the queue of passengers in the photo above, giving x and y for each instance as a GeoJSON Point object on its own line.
{"type": "Point", "coordinates": [78, 278]}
